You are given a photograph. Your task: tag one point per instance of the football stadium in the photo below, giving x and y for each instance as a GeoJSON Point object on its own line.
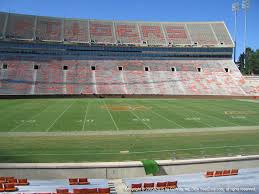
{"type": "Point", "coordinates": [131, 106]}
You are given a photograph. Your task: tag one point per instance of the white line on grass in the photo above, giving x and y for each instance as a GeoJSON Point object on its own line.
{"type": "Point", "coordinates": [194, 112]}
{"type": "Point", "coordinates": [226, 121]}
{"type": "Point", "coordinates": [59, 117]}
{"type": "Point", "coordinates": [86, 111]}
{"type": "Point", "coordinates": [138, 117]}
{"type": "Point", "coordinates": [31, 118]}
{"type": "Point", "coordinates": [166, 119]}
{"type": "Point", "coordinates": [136, 152]}
{"type": "Point", "coordinates": [111, 116]}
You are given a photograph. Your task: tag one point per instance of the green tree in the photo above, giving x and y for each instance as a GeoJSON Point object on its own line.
{"type": "Point", "coordinates": [251, 65]}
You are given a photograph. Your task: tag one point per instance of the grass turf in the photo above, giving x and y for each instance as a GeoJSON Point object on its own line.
{"type": "Point", "coordinates": [123, 114]}
{"type": "Point", "coordinates": [61, 115]}
{"type": "Point", "coordinates": [140, 147]}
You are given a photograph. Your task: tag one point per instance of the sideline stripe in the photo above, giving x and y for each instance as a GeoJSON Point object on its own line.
{"type": "Point", "coordinates": [59, 117]}
{"type": "Point", "coordinates": [140, 152]}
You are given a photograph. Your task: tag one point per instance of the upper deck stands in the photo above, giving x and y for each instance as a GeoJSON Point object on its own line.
{"type": "Point", "coordinates": [127, 33]}
{"type": "Point", "coordinates": [102, 32]}
{"type": "Point", "coordinates": [177, 33]}
{"type": "Point", "coordinates": [2, 23]}
{"type": "Point", "coordinates": [221, 33]}
{"type": "Point", "coordinates": [76, 31]}
{"type": "Point", "coordinates": [48, 29]}
{"type": "Point", "coordinates": [17, 26]}
{"type": "Point", "coordinates": [202, 34]}
{"type": "Point", "coordinates": [152, 34]}
{"type": "Point", "coordinates": [20, 27]}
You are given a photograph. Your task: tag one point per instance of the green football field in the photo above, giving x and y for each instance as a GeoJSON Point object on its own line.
{"type": "Point", "coordinates": [48, 115]}
{"type": "Point", "coordinates": [55, 119]}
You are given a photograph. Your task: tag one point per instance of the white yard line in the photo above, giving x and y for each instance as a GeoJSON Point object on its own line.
{"type": "Point", "coordinates": [30, 118]}
{"type": "Point", "coordinates": [111, 116]}
{"type": "Point", "coordinates": [194, 112]}
{"type": "Point", "coordinates": [86, 111]}
{"type": "Point", "coordinates": [61, 114]}
{"type": "Point", "coordinates": [166, 119]}
{"type": "Point", "coordinates": [140, 119]}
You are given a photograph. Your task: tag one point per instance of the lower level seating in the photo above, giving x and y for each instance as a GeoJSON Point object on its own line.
{"type": "Point", "coordinates": [162, 77]}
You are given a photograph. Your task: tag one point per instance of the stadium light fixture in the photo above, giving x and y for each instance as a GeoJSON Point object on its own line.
{"type": "Point", "coordinates": [245, 6]}
{"type": "Point", "coordinates": [235, 9]}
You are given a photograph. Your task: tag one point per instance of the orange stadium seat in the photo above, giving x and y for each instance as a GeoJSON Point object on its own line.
{"type": "Point", "coordinates": [1, 187]}
{"type": "Point", "coordinates": [22, 182]}
{"type": "Point", "coordinates": [78, 191]}
{"type": "Point", "coordinates": [104, 190]}
{"type": "Point", "coordinates": [10, 187]}
{"type": "Point", "coordinates": [161, 185]}
{"type": "Point", "coordinates": [226, 172]}
{"type": "Point", "coordinates": [136, 187]}
{"type": "Point", "coordinates": [148, 186]}
{"type": "Point", "coordinates": [209, 174]}
{"type": "Point", "coordinates": [83, 181]}
{"type": "Point", "coordinates": [62, 191]}
{"type": "Point", "coordinates": [92, 190]}
{"type": "Point", "coordinates": [2, 180]}
{"type": "Point", "coordinates": [171, 185]}
{"type": "Point", "coordinates": [218, 173]}
{"type": "Point", "coordinates": [73, 181]}
{"type": "Point", "coordinates": [234, 172]}
{"type": "Point", "coordinates": [14, 181]}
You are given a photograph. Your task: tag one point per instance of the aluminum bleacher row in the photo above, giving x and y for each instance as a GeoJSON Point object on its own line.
{"type": "Point", "coordinates": [27, 27]}
{"type": "Point", "coordinates": [164, 77]}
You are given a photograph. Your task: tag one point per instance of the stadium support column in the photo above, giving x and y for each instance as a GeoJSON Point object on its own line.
{"type": "Point", "coordinates": [245, 6]}
{"type": "Point", "coordinates": [235, 9]}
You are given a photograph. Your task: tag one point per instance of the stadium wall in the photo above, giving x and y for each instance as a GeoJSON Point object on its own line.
{"type": "Point", "coordinates": [116, 170]}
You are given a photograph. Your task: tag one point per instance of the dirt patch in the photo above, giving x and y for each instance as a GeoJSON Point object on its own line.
{"type": "Point", "coordinates": [126, 107]}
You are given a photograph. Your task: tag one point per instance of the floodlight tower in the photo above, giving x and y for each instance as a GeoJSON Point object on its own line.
{"type": "Point", "coordinates": [245, 6]}
{"type": "Point", "coordinates": [235, 9]}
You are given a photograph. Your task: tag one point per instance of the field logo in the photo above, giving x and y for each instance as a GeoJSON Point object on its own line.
{"type": "Point", "coordinates": [240, 112]}
{"type": "Point", "coordinates": [125, 107]}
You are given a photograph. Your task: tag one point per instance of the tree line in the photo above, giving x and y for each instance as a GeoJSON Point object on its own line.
{"type": "Point", "coordinates": [249, 65]}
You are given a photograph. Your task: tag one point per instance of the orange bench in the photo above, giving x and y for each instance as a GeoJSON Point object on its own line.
{"type": "Point", "coordinates": [226, 172]}
{"type": "Point", "coordinates": [219, 173]}
{"type": "Point", "coordinates": [1, 187]}
{"type": "Point", "coordinates": [234, 172]}
{"type": "Point", "coordinates": [148, 186]}
{"type": "Point", "coordinates": [171, 185]}
{"type": "Point", "coordinates": [62, 191]}
{"type": "Point", "coordinates": [10, 187]}
{"type": "Point", "coordinates": [73, 181]}
{"type": "Point", "coordinates": [209, 174]}
{"type": "Point", "coordinates": [92, 190]}
{"type": "Point", "coordinates": [83, 181]}
{"type": "Point", "coordinates": [136, 187]}
{"type": "Point", "coordinates": [78, 181]}
{"type": "Point", "coordinates": [104, 190]}
{"type": "Point", "coordinates": [161, 185]}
